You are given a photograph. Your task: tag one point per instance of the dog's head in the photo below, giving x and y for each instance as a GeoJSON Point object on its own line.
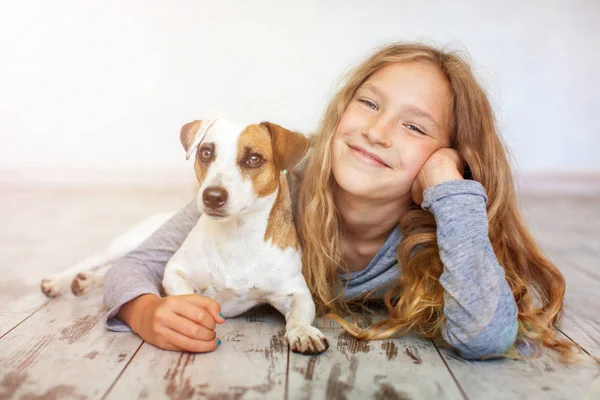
{"type": "Point", "coordinates": [237, 166]}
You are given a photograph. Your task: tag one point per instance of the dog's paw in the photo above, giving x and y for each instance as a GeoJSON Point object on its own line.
{"type": "Point", "coordinates": [52, 287]}
{"type": "Point", "coordinates": [307, 340]}
{"type": "Point", "coordinates": [82, 283]}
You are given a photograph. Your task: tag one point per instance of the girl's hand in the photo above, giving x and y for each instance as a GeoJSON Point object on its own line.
{"type": "Point", "coordinates": [443, 165]}
{"type": "Point", "coordinates": [181, 323]}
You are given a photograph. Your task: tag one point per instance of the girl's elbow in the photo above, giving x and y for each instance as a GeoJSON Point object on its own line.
{"type": "Point", "coordinates": [488, 345]}
{"type": "Point", "coordinates": [483, 351]}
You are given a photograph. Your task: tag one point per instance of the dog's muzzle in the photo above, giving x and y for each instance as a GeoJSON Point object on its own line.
{"type": "Point", "coordinates": [214, 198]}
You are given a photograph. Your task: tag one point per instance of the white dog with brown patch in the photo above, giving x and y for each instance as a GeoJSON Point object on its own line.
{"type": "Point", "coordinates": [244, 249]}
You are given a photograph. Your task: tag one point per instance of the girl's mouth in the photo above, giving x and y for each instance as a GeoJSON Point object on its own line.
{"type": "Point", "coordinates": [367, 157]}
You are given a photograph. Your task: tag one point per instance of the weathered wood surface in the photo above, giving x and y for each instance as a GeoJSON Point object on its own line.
{"type": "Point", "coordinates": [541, 378]}
{"type": "Point", "coordinates": [60, 349]}
{"type": "Point", "coordinates": [63, 351]}
{"type": "Point", "coordinates": [47, 231]}
{"type": "Point", "coordinates": [250, 363]}
{"type": "Point", "coordinates": [382, 369]}
{"type": "Point", "coordinates": [568, 230]}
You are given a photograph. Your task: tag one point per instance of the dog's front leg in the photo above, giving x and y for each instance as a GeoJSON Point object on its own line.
{"type": "Point", "coordinates": [176, 280]}
{"type": "Point", "coordinates": [299, 312]}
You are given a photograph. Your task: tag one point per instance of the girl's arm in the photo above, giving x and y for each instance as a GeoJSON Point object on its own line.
{"type": "Point", "coordinates": [141, 271]}
{"type": "Point", "coordinates": [480, 310]}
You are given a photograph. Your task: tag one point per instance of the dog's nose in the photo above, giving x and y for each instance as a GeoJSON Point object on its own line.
{"type": "Point", "coordinates": [214, 197]}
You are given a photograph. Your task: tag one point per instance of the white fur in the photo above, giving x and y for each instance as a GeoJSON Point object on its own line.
{"type": "Point", "coordinates": [227, 258]}
{"type": "Point", "coordinates": [224, 171]}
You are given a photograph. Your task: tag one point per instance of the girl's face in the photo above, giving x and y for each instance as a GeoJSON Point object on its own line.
{"type": "Point", "coordinates": [398, 118]}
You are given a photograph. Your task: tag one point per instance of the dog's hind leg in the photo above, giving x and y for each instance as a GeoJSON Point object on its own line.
{"type": "Point", "coordinates": [85, 281]}
{"type": "Point", "coordinates": [58, 283]}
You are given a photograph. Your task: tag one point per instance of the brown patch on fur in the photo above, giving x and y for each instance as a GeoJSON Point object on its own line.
{"type": "Point", "coordinates": [201, 167]}
{"type": "Point", "coordinates": [264, 178]}
{"type": "Point", "coordinates": [188, 132]}
{"type": "Point", "coordinates": [78, 286]}
{"type": "Point", "coordinates": [288, 147]}
{"type": "Point", "coordinates": [281, 149]}
{"type": "Point", "coordinates": [281, 230]}
{"type": "Point", "coordinates": [188, 137]}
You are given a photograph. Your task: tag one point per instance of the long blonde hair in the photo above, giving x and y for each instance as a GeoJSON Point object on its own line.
{"type": "Point", "coordinates": [415, 302]}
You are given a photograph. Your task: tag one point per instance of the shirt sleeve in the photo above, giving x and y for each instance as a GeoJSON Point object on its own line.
{"type": "Point", "coordinates": [480, 310]}
{"type": "Point", "coordinates": [141, 270]}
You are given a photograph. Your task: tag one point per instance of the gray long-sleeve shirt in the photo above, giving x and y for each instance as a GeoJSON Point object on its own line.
{"type": "Point", "coordinates": [480, 311]}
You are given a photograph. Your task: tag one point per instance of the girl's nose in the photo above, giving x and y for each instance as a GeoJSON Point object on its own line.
{"type": "Point", "coordinates": [378, 132]}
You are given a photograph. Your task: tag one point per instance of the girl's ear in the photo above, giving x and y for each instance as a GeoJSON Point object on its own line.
{"type": "Point", "coordinates": [288, 147]}
{"type": "Point", "coordinates": [193, 133]}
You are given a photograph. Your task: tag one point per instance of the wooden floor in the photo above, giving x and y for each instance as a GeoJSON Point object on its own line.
{"type": "Point", "coordinates": [59, 349]}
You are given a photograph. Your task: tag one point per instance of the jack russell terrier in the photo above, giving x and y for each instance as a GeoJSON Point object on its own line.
{"type": "Point", "coordinates": [244, 249]}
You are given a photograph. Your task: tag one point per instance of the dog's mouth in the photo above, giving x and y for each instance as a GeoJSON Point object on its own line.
{"type": "Point", "coordinates": [215, 213]}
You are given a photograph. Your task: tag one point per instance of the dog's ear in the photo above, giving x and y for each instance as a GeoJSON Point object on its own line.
{"type": "Point", "coordinates": [192, 135]}
{"type": "Point", "coordinates": [288, 147]}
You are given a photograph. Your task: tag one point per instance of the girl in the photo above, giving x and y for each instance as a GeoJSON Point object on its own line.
{"type": "Point", "coordinates": [407, 196]}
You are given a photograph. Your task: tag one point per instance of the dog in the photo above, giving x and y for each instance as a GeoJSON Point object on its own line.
{"type": "Point", "coordinates": [244, 249]}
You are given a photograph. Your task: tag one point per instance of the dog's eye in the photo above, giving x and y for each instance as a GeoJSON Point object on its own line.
{"type": "Point", "coordinates": [206, 154]}
{"type": "Point", "coordinates": [255, 160]}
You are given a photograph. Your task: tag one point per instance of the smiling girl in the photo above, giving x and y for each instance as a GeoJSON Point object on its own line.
{"type": "Point", "coordinates": [406, 196]}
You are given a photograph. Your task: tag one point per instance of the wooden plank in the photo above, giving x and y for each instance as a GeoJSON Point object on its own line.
{"type": "Point", "coordinates": [19, 300]}
{"type": "Point", "coordinates": [568, 229]}
{"type": "Point", "coordinates": [48, 231]}
{"type": "Point", "coordinates": [250, 363]}
{"type": "Point", "coordinates": [583, 332]}
{"type": "Point", "coordinates": [63, 351]}
{"type": "Point", "coordinates": [542, 378]}
{"type": "Point", "coordinates": [404, 368]}
{"type": "Point", "coordinates": [581, 316]}
{"type": "Point", "coordinates": [570, 236]}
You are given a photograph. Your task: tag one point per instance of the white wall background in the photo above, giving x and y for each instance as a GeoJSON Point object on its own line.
{"type": "Point", "coordinates": [96, 91]}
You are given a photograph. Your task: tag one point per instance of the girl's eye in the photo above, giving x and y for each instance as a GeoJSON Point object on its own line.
{"type": "Point", "coordinates": [206, 154]}
{"type": "Point", "coordinates": [415, 128]}
{"type": "Point", "coordinates": [369, 104]}
{"type": "Point", "coordinates": [254, 161]}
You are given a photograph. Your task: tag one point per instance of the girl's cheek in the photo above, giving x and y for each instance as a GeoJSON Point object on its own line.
{"type": "Point", "coordinates": [348, 124]}
{"type": "Point", "coordinates": [410, 163]}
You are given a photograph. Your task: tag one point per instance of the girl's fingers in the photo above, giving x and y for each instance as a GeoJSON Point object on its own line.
{"type": "Point", "coordinates": [193, 312]}
{"type": "Point", "coordinates": [177, 341]}
{"type": "Point", "coordinates": [191, 329]}
{"type": "Point", "coordinates": [211, 305]}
